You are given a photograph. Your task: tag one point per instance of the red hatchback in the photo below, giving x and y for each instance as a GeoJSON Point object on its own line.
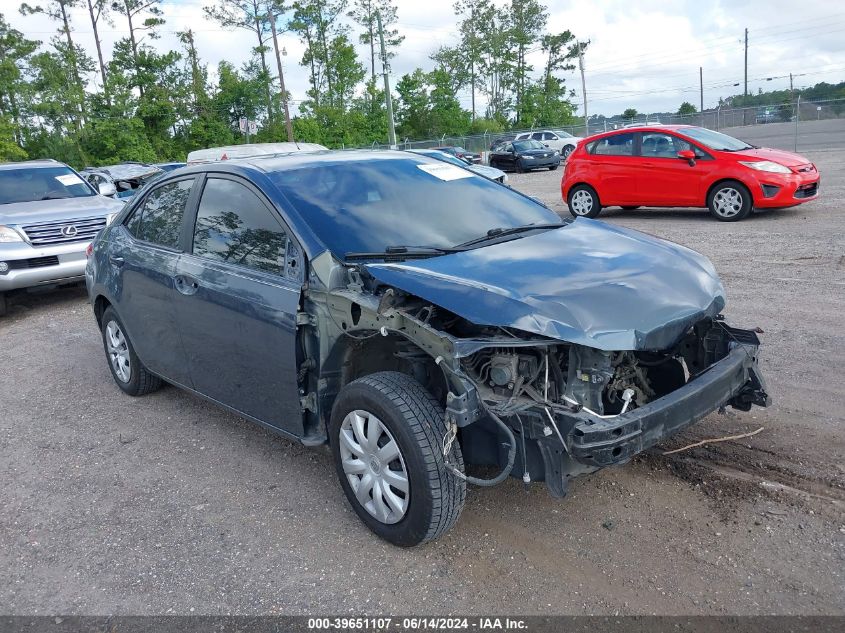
{"type": "Point", "coordinates": [684, 166]}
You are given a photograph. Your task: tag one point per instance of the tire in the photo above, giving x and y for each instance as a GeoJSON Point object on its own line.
{"type": "Point", "coordinates": [401, 412]}
{"type": "Point", "coordinates": [4, 304]}
{"type": "Point", "coordinates": [583, 202]}
{"type": "Point", "coordinates": [519, 167]}
{"type": "Point", "coordinates": [729, 201]}
{"type": "Point", "coordinates": [630, 207]}
{"type": "Point", "coordinates": [567, 151]}
{"type": "Point", "coordinates": [553, 167]}
{"type": "Point", "coordinates": [126, 369]}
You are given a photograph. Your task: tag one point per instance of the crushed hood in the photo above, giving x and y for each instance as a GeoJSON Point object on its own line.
{"type": "Point", "coordinates": [587, 282]}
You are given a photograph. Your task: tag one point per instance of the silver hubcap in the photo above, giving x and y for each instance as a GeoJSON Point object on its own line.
{"type": "Point", "coordinates": [374, 466]}
{"type": "Point", "coordinates": [582, 202]}
{"type": "Point", "coordinates": [567, 151]}
{"type": "Point", "coordinates": [727, 202]}
{"type": "Point", "coordinates": [118, 351]}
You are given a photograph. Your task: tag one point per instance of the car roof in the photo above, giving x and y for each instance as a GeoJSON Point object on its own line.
{"type": "Point", "coordinates": [38, 162]}
{"type": "Point", "coordinates": [642, 128]}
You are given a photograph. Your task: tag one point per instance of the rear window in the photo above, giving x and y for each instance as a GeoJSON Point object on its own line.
{"type": "Point", "coordinates": [29, 184]}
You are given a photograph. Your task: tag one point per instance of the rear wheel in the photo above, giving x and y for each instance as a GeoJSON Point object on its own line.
{"type": "Point", "coordinates": [729, 201]}
{"type": "Point", "coordinates": [386, 433]}
{"type": "Point", "coordinates": [126, 369]}
{"type": "Point", "coordinates": [584, 202]}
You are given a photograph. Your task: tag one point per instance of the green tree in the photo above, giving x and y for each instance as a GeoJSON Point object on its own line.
{"type": "Point", "coordinates": [630, 113]}
{"type": "Point", "coordinates": [412, 111]}
{"type": "Point", "coordinates": [527, 19]}
{"type": "Point", "coordinates": [364, 14]}
{"type": "Point", "coordinates": [142, 16]}
{"type": "Point", "coordinates": [15, 53]}
{"type": "Point", "coordinates": [98, 10]}
{"type": "Point", "coordinates": [687, 108]}
{"type": "Point", "coordinates": [250, 15]}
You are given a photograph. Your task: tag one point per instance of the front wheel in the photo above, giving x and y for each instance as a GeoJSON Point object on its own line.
{"type": "Point", "coordinates": [519, 167]}
{"type": "Point", "coordinates": [387, 436]}
{"type": "Point", "coordinates": [729, 201]}
{"type": "Point", "coordinates": [553, 167]}
{"type": "Point", "coordinates": [567, 151]}
{"type": "Point", "coordinates": [584, 202]}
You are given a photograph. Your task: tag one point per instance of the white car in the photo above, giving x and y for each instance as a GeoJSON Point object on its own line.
{"type": "Point", "coordinates": [249, 150]}
{"type": "Point", "coordinates": [482, 170]}
{"type": "Point", "coordinates": [562, 141]}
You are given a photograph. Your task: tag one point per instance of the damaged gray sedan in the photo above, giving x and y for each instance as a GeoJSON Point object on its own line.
{"type": "Point", "coordinates": [420, 319]}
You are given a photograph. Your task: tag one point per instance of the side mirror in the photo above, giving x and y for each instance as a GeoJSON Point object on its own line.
{"type": "Point", "coordinates": [687, 155]}
{"type": "Point", "coordinates": [107, 189]}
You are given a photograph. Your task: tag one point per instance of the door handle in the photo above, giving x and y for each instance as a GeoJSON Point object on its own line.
{"type": "Point", "coordinates": [186, 285]}
{"type": "Point", "coordinates": [116, 261]}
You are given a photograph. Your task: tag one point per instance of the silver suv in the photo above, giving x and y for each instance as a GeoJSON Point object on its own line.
{"type": "Point", "coordinates": [48, 216]}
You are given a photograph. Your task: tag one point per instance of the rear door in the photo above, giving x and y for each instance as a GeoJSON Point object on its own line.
{"type": "Point", "coordinates": [612, 168]}
{"type": "Point", "coordinates": [238, 290]}
{"type": "Point", "coordinates": [141, 267]}
{"type": "Point", "coordinates": [663, 179]}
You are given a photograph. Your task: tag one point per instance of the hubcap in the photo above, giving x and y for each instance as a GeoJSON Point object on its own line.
{"type": "Point", "coordinates": [567, 151]}
{"type": "Point", "coordinates": [118, 351]}
{"type": "Point", "coordinates": [374, 466]}
{"type": "Point", "coordinates": [727, 202]}
{"type": "Point", "coordinates": [582, 202]}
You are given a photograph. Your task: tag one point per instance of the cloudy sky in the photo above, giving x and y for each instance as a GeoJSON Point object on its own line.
{"type": "Point", "coordinates": [643, 53]}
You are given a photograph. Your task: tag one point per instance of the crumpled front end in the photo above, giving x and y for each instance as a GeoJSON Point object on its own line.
{"type": "Point", "coordinates": [575, 409]}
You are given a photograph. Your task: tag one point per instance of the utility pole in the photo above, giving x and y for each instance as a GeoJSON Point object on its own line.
{"type": "Point", "coordinates": [745, 90]}
{"type": "Point", "coordinates": [281, 77]}
{"type": "Point", "coordinates": [701, 88]}
{"type": "Point", "coordinates": [391, 131]}
{"type": "Point", "coordinates": [583, 87]}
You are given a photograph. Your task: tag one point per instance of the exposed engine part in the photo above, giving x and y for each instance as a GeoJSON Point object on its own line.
{"type": "Point", "coordinates": [590, 371]}
{"type": "Point", "coordinates": [628, 375]}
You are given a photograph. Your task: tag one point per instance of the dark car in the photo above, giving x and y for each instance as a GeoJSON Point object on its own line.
{"type": "Point", "coordinates": [524, 156]}
{"type": "Point", "coordinates": [338, 298]}
{"type": "Point", "coordinates": [460, 152]}
{"type": "Point", "coordinates": [498, 142]}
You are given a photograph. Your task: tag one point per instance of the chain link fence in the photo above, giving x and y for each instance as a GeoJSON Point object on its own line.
{"type": "Point", "coordinates": [798, 111]}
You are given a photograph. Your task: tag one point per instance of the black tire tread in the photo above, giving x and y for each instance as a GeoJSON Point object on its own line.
{"type": "Point", "coordinates": [425, 418]}
{"type": "Point", "coordinates": [147, 382]}
{"type": "Point", "coordinates": [4, 304]}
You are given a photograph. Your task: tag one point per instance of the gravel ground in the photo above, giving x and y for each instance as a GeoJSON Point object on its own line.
{"type": "Point", "coordinates": [166, 504]}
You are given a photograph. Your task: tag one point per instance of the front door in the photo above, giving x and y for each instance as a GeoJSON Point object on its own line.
{"type": "Point", "coordinates": [663, 179]}
{"type": "Point", "coordinates": [612, 165]}
{"type": "Point", "coordinates": [142, 264]}
{"type": "Point", "coordinates": [238, 295]}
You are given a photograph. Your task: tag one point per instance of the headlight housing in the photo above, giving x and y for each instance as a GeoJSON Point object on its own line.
{"type": "Point", "coordinates": [8, 234]}
{"type": "Point", "coordinates": [767, 165]}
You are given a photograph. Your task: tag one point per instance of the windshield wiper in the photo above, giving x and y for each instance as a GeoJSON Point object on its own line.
{"type": "Point", "coordinates": [496, 233]}
{"type": "Point", "coordinates": [403, 252]}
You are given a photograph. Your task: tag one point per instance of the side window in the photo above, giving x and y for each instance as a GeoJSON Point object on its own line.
{"type": "Point", "coordinates": [507, 148]}
{"type": "Point", "coordinates": [681, 145]}
{"type": "Point", "coordinates": [235, 226]}
{"type": "Point", "coordinates": [159, 218]}
{"type": "Point", "coordinates": [658, 145]}
{"type": "Point", "coordinates": [537, 136]}
{"type": "Point", "coordinates": [616, 145]}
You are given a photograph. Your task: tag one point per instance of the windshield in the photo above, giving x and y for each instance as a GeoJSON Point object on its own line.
{"type": "Point", "coordinates": [366, 205]}
{"type": "Point", "coordinates": [41, 183]}
{"type": "Point", "coordinates": [521, 146]}
{"type": "Point", "coordinates": [715, 140]}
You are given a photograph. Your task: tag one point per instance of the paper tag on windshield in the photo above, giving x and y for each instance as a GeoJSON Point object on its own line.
{"type": "Point", "coordinates": [446, 172]}
{"type": "Point", "coordinates": [69, 179]}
